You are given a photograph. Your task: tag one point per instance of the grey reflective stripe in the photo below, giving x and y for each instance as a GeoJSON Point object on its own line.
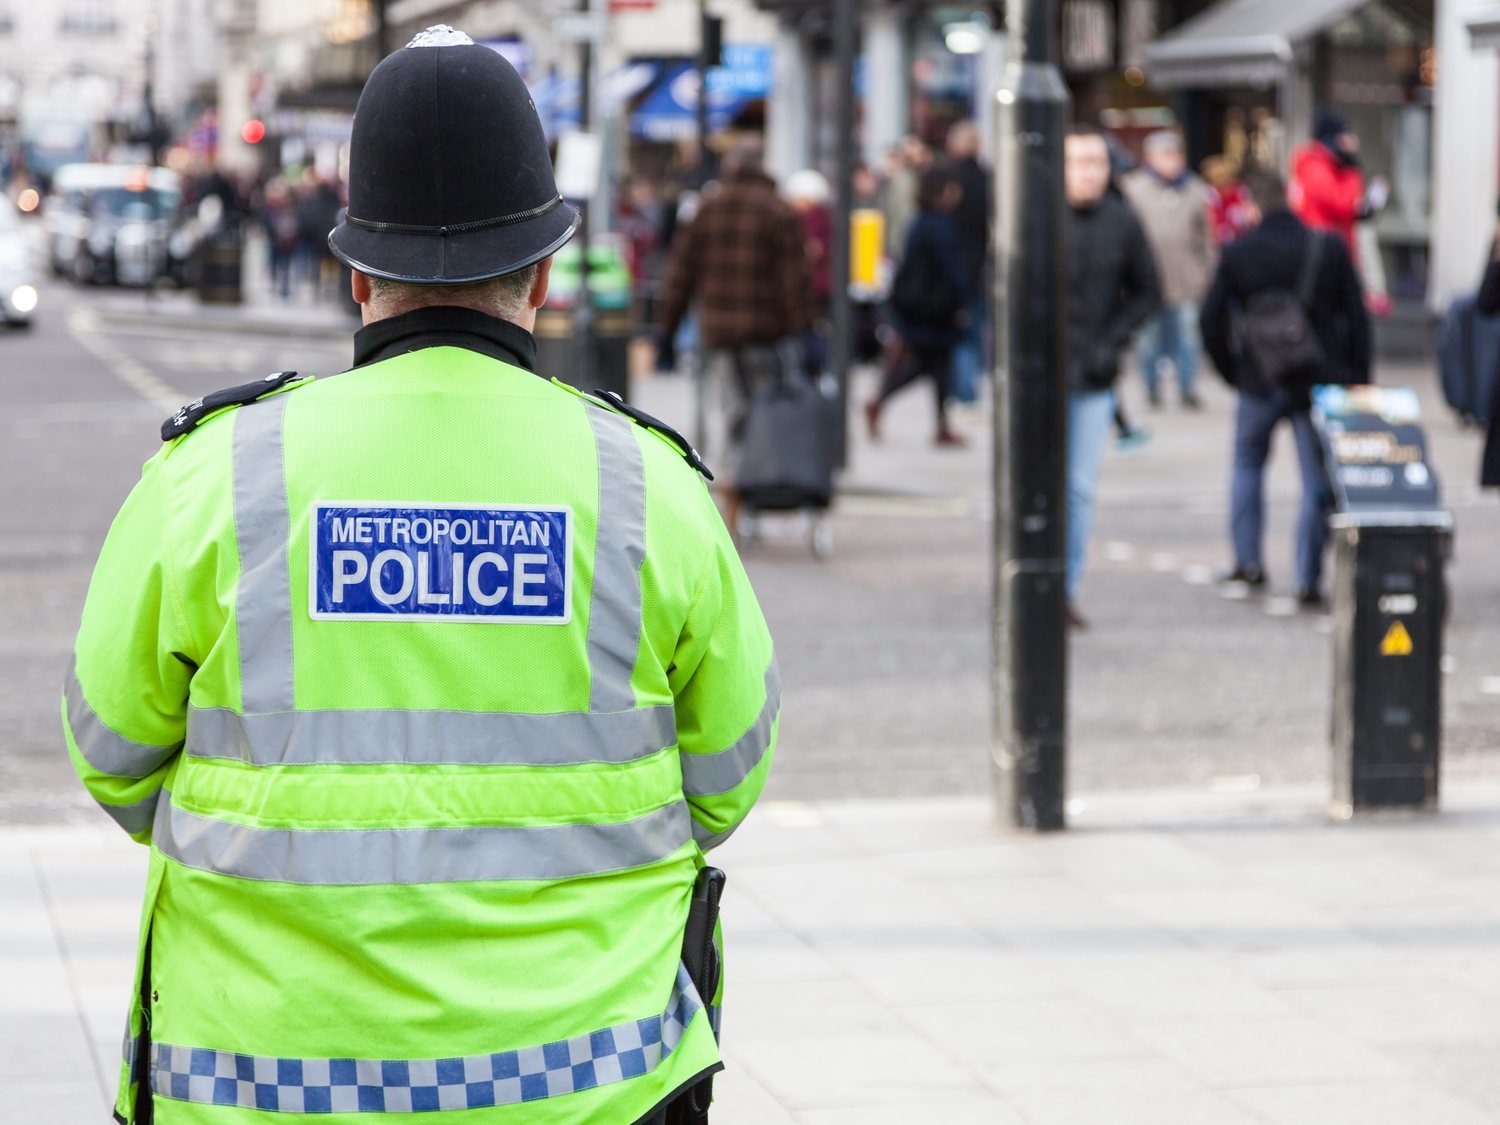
{"type": "Point", "coordinates": [381, 856]}
{"type": "Point", "coordinates": [327, 1085]}
{"type": "Point", "coordinates": [130, 1048]}
{"type": "Point", "coordinates": [102, 748]}
{"type": "Point", "coordinates": [263, 605]}
{"type": "Point", "coordinates": [135, 817]}
{"type": "Point", "coordinates": [301, 738]}
{"type": "Point", "coordinates": [707, 839]}
{"type": "Point", "coordinates": [706, 774]}
{"type": "Point", "coordinates": [619, 548]}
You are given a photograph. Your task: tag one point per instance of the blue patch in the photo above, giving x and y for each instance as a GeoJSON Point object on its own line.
{"type": "Point", "coordinates": [456, 563]}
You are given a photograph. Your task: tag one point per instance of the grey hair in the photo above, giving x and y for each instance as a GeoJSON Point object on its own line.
{"type": "Point", "coordinates": [505, 297]}
{"type": "Point", "coordinates": [1162, 140]}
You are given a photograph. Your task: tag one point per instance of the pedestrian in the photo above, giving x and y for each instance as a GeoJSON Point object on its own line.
{"type": "Point", "coordinates": [972, 218]}
{"type": "Point", "coordinates": [743, 258]}
{"type": "Point", "coordinates": [928, 305]}
{"type": "Point", "coordinates": [1229, 205]}
{"type": "Point", "coordinates": [807, 191]}
{"type": "Point", "coordinates": [1488, 304]}
{"type": "Point", "coordinates": [1172, 205]}
{"type": "Point", "coordinates": [906, 162]}
{"type": "Point", "coordinates": [428, 685]}
{"type": "Point", "coordinates": [1112, 288]}
{"type": "Point", "coordinates": [278, 219]}
{"type": "Point", "coordinates": [1282, 258]}
{"type": "Point", "coordinates": [1328, 189]}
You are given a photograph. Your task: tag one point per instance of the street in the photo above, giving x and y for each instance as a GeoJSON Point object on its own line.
{"type": "Point", "coordinates": [1202, 946]}
{"type": "Point", "coordinates": [884, 647]}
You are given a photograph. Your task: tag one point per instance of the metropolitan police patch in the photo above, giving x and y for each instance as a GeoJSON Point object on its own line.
{"type": "Point", "coordinates": [376, 562]}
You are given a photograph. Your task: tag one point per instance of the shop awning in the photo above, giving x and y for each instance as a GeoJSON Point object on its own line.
{"type": "Point", "coordinates": [1483, 25]}
{"type": "Point", "coordinates": [556, 96]}
{"type": "Point", "coordinates": [1239, 42]}
{"type": "Point", "coordinates": [670, 111]}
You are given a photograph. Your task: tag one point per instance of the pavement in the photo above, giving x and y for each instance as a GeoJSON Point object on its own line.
{"type": "Point", "coordinates": [1210, 958]}
{"type": "Point", "coordinates": [1201, 946]}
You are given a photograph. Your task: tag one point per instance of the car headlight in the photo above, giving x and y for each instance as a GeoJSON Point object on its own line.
{"type": "Point", "coordinates": [23, 299]}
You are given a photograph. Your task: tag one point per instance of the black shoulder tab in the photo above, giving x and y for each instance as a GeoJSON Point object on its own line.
{"type": "Point", "coordinates": [636, 414]}
{"type": "Point", "coordinates": [187, 418]}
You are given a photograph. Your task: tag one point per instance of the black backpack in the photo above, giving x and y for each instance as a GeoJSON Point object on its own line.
{"type": "Point", "coordinates": [1276, 331]}
{"type": "Point", "coordinates": [921, 292]}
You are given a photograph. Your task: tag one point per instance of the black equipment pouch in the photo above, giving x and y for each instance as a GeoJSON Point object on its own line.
{"type": "Point", "coordinates": [701, 956]}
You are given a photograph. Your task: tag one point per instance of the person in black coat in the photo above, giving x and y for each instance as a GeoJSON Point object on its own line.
{"type": "Point", "coordinates": [1489, 305]}
{"type": "Point", "coordinates": [1270, 257]}
{"type": "Point", "coordinates": [972, 218]}
{"type": "Point", "coordinates": [928, 303]}
{"type": "Point", "coordinates": [1112, 289]}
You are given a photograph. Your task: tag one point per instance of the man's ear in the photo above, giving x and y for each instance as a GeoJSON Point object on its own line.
{"type": "Point", "coordinates": [538, 295]}
{"type": "Point", "coordinates": [359, 286]}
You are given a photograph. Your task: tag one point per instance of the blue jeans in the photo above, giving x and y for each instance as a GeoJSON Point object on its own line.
{"type": "Point", "coordinates": [968, 353]}
{"type": "Point", "coordinates": [1089, 416]}
{"type": "Point", "coordinates": [1171, 334]}
{"type": "Point", "coordinates": [1255, 421]}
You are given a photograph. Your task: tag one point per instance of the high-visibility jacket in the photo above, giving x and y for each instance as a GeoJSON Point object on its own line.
{"type": "Point", "coordinates": [408, 853]}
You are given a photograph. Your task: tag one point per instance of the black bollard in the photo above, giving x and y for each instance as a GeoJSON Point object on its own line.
{"type": "Point", "coordinates": [1030, 654]}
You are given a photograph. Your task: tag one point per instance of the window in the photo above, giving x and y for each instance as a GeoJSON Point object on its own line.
{"type": "Point", "coordinates": [88, 17]}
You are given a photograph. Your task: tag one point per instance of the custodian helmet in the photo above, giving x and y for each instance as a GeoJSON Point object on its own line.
{"type": "Point", "coordinates": [449, 176]}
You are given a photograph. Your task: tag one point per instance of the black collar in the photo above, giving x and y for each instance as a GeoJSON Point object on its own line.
{"type": "Point", "coordinates": [441, 325]}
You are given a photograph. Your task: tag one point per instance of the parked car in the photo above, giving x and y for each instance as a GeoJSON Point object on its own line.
{"type": "Point", "coordinates": [109, 223]}
{"type": "Point", "coordinates": [18, 295]}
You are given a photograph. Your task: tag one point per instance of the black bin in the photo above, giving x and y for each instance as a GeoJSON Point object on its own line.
{"type": "Point", "coordinates": [220, 268]}
{"type": "Point", "coordinates": [607, 365]}
{"type": "Point", "coordinates": [1390, 603]}
{"type": "Point", "coordinates": [1391, 541]}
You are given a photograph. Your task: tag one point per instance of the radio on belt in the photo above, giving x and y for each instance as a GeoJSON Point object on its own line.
{"type": "Point", "coordinates": [1392, 540]}
{"type": "Point", "coordinates": [455, 562]}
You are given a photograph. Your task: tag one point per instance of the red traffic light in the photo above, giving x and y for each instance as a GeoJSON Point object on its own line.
{"type": "Point", "coordinates": [254, 131]}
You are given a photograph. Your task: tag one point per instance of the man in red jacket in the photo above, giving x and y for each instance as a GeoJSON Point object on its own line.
{"type": "Point", "coordinates": [1327, 191]}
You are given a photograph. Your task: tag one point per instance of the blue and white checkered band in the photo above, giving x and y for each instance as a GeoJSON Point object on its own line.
{"type": "Point", "coordinates": [627, 1050]}
{"type": "Point", "coordinates": [441, 35]}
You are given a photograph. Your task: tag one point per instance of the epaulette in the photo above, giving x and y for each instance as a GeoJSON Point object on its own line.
{"type": "Point", "coordinates": [614, 402]}
{"type": "Point", "coordinates": [187, 418]}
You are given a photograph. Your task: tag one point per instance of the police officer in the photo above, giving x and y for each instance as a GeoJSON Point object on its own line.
{"type": "Point", "coordinates": [428, 685]}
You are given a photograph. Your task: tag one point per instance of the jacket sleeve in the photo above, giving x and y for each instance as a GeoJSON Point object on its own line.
{"type": "Point", "coordinates": [795, 289]}
{"type": "Point", "coordinates": [1489, 288]}
{"type": "Point", "coordinates": [1215, 324]}
{"type": "Point", "coordinates": [727, 695]}
{"type": "Point", "coordinates": [682, 274]}
{"type": "Point", "coordinates": [125, 700]}
{"type": "Point", "coordinates": [1140, 288]}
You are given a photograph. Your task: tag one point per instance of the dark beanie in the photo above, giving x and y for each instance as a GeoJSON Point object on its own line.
{"type": "Point", "coordinates": [1327, 125]}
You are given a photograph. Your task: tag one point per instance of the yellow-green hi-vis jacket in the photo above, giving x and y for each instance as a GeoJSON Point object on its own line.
{"type": "Point", "coordinates": [428, 685]}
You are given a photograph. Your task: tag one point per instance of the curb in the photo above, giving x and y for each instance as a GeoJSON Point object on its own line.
{"type": "Point", "coordinates": [235, 324]}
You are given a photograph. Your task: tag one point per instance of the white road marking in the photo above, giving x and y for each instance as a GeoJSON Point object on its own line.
{"type": "Point", "coordinates": [84, 327]}
{"type": "Point", "coordinates": [1280, 607]}
{"type": "Point", "coordinates": [1115, 551]}
{"type": "Point", "coordinates": [1490, 685]}
{"type": "Point", "coordinates": [1198, 575]}
{"type": "Point", "coordinates": [1163, 563]}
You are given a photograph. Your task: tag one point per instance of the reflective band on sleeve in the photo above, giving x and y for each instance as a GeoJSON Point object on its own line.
{"type": "Point", "coordinates": [299, 738]}
{"type": "Point", "coordinates": [263, 605]}
{"type": "Point", "coordinates": [383, 856]}
{"type": "Point", "coordinates": [567, 1066]}
{"type": "Point", "coordinates": [136, 817]}
{"type": "Point", "coordinates": [707, 840]}
{"type": "Point", "coordinates": [706, 774]}
{"type": "Point", "coordinates": [619, 548]}
{"type": "Point", "coordinates": [105, 750]}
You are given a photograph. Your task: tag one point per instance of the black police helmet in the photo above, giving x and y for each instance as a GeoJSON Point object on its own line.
{"type": "Point", "coordinates": [449, 177]}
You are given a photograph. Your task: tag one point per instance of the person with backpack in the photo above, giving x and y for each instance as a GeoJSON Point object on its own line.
{"type": "Point", "coordinates": [1284, 313]}
{"type": "Point", "coordinates": [929, 296]}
